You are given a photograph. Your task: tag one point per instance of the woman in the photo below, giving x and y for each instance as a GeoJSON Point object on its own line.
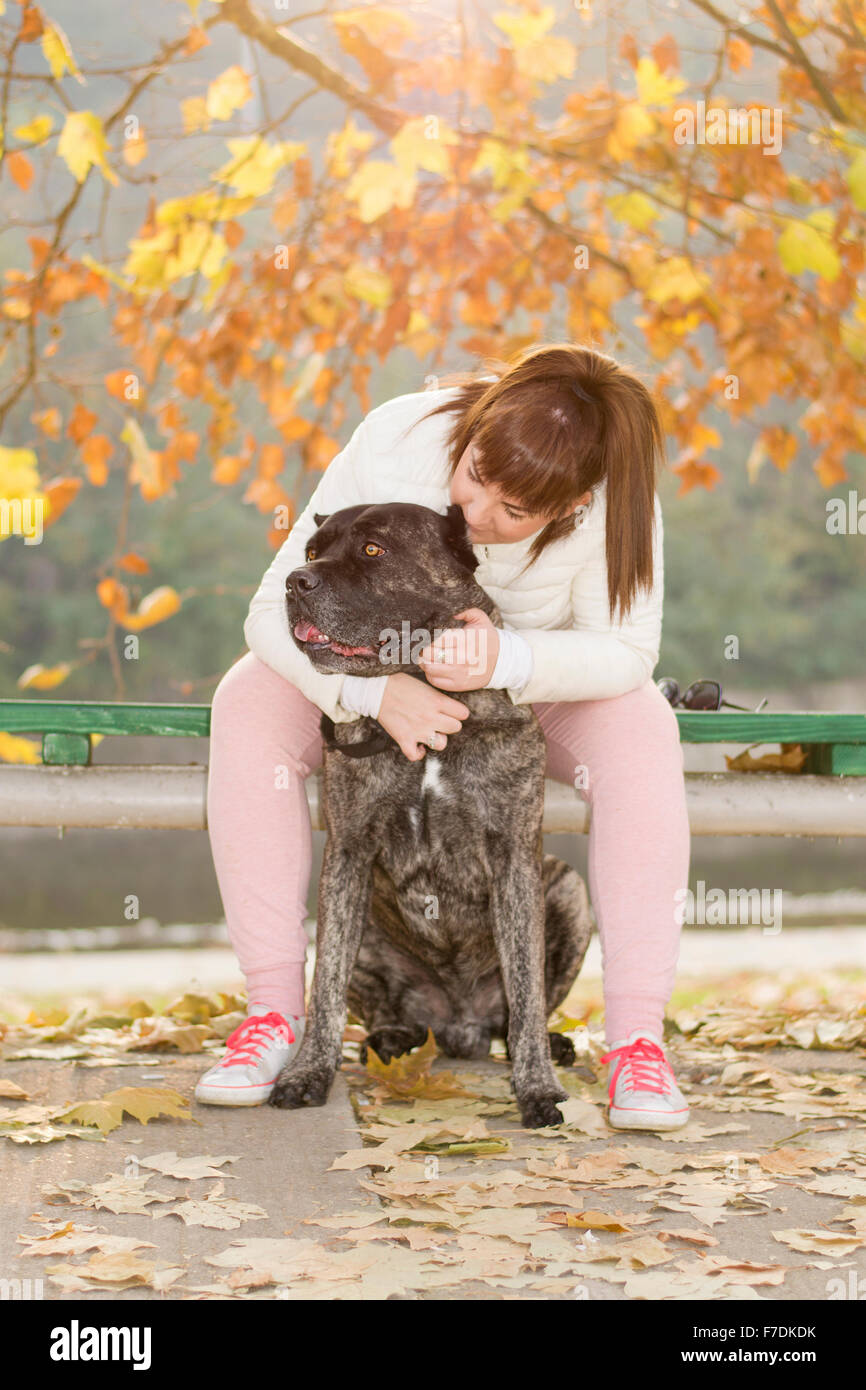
{"type": "Point", "coordinates": [553, 460]}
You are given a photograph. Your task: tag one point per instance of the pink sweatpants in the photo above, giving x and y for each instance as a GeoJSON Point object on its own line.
{"type": "Point", "coordinates": [624, 751]}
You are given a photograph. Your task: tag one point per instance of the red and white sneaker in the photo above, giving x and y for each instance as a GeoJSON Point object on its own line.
{"type": "Point", "coordinates": [255, 1054]}
{"type": "Point", "coordinates": [642, 1091]}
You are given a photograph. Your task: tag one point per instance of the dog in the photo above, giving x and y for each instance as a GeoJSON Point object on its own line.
{"type": "Point", "coordinates": [437, 907]}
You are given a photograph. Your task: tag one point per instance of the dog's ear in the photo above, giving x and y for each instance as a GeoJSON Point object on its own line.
{"type": "Point", "coordinates": [456, 537]}
{"type": "Point", "coordinates": [319, 519]}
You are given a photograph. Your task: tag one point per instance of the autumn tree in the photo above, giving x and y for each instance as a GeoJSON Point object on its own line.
{"type": "Point", "coordinates": [685, 188]}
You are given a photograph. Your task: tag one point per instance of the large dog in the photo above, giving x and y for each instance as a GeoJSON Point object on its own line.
{"type": "Point", "coordinates": [437, 907]}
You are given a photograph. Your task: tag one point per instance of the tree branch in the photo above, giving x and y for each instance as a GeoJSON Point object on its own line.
{"type": "Point", "coordinates": [297, 55]}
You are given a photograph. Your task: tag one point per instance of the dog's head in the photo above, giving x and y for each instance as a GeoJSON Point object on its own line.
{"type": "Point", "coordinates": [378, 582]}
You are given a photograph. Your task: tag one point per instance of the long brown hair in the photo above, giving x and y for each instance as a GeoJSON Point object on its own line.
{"type": "Point", "coordinates": [555, 422]}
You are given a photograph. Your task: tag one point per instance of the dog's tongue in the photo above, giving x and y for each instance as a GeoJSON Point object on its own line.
{"type": "Point", "coordinates": [308, 632]}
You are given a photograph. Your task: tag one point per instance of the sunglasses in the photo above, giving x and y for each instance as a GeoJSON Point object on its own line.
{"type": "Point", "coordinates": [700, 695]}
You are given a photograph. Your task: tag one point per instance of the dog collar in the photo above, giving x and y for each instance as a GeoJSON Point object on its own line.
{"type": "Point", "coordinates": [376, 743]}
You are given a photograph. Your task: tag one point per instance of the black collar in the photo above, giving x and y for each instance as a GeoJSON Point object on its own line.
{"type": "Point", "coordinates": [376, 743]}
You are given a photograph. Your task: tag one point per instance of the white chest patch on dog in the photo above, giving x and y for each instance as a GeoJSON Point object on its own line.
{"type": "Point", "coordinates": [415, 818]}
{"type": "Point", "coordinates": [432, 779]}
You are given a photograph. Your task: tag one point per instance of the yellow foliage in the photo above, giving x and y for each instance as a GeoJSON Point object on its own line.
{"type": "Point", "coordinates": [371, 286]}
{"type": "Point", "coordinates": [35, 131]}
{"type": "Point", "coordinates": [19, 750]}
{"type": "Point", "coordinates": [635, 209]}
{"type": "Point", "coordinates": [19, 474]}
{"type": "Point", "coordinates": [377, 187]}
{"type": "Point", "coordinates": [632, 126]}
{"type": "Point", "coordinates": [58, 53]}
{"type": "Point", "coordinates": [40, 677]}
{"type": "Point", "coordinates": [255, 164]}
{"type": "Point", "coordinates": [414, 149]}
{"type": "Point", "coordinates": [676, 279]}
{"type": "Point", "coordinates": [537, 57]}
{"type": "Point", "coordinates": [154, 608]}
{"type": "Point", "coordinates": [341, 143]}
{"type": "Point", "coordinates": [653, 87]}
{"type": "Point", "coordinates": [228, 93]}
{"type": "Point", "coordinates": [145, 469]}
{"type": "Point", "coordinates": [82, 144]}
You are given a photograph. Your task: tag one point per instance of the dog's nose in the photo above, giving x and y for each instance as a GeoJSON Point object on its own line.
{"type": "Point", "coordinates": [302, 582]}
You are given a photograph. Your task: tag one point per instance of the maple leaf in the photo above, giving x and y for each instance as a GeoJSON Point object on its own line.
{"type": "Point", "coordinates": [410, 1074]}
{"type": "Point", "coordinates": [144, 1103]}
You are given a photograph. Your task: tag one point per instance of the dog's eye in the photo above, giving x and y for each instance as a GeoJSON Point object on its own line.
{"type": "Point", "coordinates": [371, 548]}
{"type": "Point", "coordinates": [311, 553]}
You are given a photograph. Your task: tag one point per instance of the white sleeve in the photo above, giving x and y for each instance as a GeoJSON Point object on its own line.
{"type": "Point", "coordinates": [597, 659]}
{"type": "Point", "coordinates": [513, 664]}
{"type": "Point", "coordinates": [266, 627]}
{"type": "Point", "coordinates": [364, 694]}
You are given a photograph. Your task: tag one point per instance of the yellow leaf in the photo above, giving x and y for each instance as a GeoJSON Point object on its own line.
{"type": "Point", "coordinates": [19, 750]}
{"type": "Point", "coordinates": [162, 603]}
{"type": "Point", "coordinates": [372, 286]}
{"type": "Point", "coordinates": [228, 93]}
{"type": "Point", "coordinates": [421, 145]}
{"type": "Point", "coordinates": [632, 125]}
{"type": "Point", "coordinates": [256, 163]}
{"type": "Point", "coordinates": [653, 87]}
{"type": "Point", "coordinates": [142, 1102]}
{"type": "Point", "coordinates": [635, 209]}
{"type": "Point", "coordinates": [340, 145]}
{"type": "Point", "coordinates": [19, 475]}
{"type": "Point", "coordinates": [43, 677]}
{"type": "Point", "coordinates": [410, 1074]}
{"type": "Point", "coordinates": [537, 56]}
{"type": "Point", "coordinates": [35, 131]}
{"type": "Point", "coordinates": [58, 54]}
{"type": "Point", "coordinates": [803, 247]}
{"type": "Point", "coordinates": [82, 144]}
{"type": "Point", "coordinates": [377, 187]}
{"type": "Point", "coordinates": [676, 279]}
{"type": "Point", "coordinates": [145, 468]}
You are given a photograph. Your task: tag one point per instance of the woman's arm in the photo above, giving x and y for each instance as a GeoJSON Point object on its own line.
{"type": "Point", "coordinates": [266, 627]}
{"type": "Point", "coordinates": [595, 660]}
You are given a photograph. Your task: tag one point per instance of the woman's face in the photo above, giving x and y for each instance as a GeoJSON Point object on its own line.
{"type": "Point", "coordinates": [491, 518]}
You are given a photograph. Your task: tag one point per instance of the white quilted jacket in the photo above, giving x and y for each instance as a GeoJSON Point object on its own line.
{"type": "Point", "coordinates": [559, 605]}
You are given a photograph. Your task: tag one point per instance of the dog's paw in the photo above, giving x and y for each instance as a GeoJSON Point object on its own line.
{"type": "Point", "coordinates": [388, 1043]}
{"type": "Point", "coordinates": [299, 1086]}
{"type": "Point", "coordinates": [539, 1109]}
{"type": "Point", "coordinates": [561, 1049]}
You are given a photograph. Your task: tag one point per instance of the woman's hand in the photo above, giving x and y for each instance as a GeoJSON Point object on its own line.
{"type": "Point", "coordinates": [418, 717]}
{"type": "Point", "coordinates": [462, 658]}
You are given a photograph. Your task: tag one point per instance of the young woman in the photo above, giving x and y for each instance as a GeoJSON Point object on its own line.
{"type": "Point", "coordinates": [553, 460]}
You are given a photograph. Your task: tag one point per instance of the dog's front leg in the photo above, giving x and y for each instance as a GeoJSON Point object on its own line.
{"type": "Point", "coordinates": [344, 898]}
{"type": "Point", "coordinates": [517, 904]}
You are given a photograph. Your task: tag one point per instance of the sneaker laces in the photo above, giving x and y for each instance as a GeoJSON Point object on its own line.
{"type": "Point", "coordinates": [253, 1034]}
{"type": "Point", "coordinates": [644, 1066]}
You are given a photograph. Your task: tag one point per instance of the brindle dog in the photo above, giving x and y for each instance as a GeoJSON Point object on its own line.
{"type": "Point", "coordinates": [437, 907]}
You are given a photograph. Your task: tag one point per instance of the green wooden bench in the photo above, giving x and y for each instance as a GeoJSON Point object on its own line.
{"type": "Point", "coordinates": [834, 743]}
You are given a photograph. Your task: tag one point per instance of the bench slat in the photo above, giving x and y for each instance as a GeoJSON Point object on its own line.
{"type": "Point", "coordinates": [189, 720]}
